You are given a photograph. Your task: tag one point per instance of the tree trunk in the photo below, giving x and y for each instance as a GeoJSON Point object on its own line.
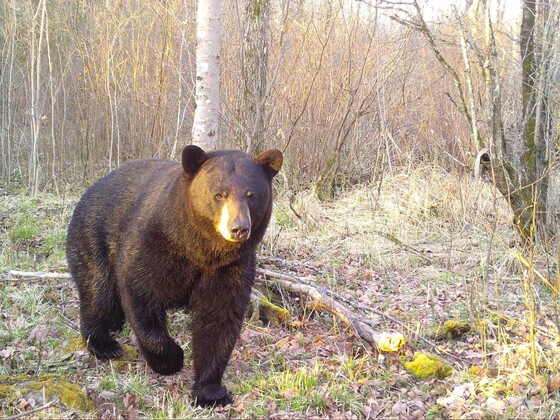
{"type": "Point", "coordinates": [254, 66]}
{"type": "Point", "coordinates": [538, 48]}
{"type": "Point", "coordinates": [546, 141]}
{"type": "Point", "coordinates": [39, 20]}
{"type": "Point", "coordinates": [527, 45]}
{"type": "Point", "coordinates": [205, 132]}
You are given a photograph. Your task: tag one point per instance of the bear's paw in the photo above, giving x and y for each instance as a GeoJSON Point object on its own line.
{"type": "Point", "coordinates": [211, 395]}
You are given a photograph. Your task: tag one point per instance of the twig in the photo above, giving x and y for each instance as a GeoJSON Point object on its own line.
{"type": "Point", "coordinates": [35, 410]}
{"type": "Point", "coordinates": [400, 243]}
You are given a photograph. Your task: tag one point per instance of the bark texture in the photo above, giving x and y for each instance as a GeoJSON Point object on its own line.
{"type": "Point", "coordinates": [206, 123]}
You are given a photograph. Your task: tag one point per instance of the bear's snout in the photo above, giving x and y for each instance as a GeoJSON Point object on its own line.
{"type": "Point", "coordinates": [240, 230]}
{"type": "Point", "coordinates": [235, 222]}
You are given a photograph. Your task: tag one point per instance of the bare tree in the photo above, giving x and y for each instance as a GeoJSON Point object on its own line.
{"type": "Point", "coordinates": [37, 45]}
{"type": "Point", "coordinates": [520, 167]}
{"type": "Point", "coordinates": [254, 70]}
{"type": "Point", "coordinates": [540, 75]}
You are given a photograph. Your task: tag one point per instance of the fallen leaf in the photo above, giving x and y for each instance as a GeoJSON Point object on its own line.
{"type": "Point", "coordinates": [495, 406]}
{"type": "Point", "coordinates": [399, 408]}
{"type": "Point", "coordinates": [464, 390]}
{"type": "Point", "coordinates": [130, 402]}
{"type": "Point", "coordinates": [553, 383]}
{"type": "Point", "coordinates": [453, 403]}
{"type": "Point", "coordinates": [107, 395]}
{"type": "Point", "coordinates": [23, 404]}
{"type": "Point", "coordinates": [39, 333]}
{"type": "Point", "coordinates": [7, 352]}
{"type": "Point", "coordinates": [371, 410]}
{"type": "Point", "coordinates": [289, 394]}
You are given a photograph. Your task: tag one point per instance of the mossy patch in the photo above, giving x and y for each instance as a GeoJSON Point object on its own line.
{"type": "Point", "coordinates": [262, 308]}
{"type": "Point", "coordinates": [75, 344]}
{"type": "Point", "coordinates": [48, 386]}
{"type": "Point", "coordinates": [130, 354]}
{"type": "Point", "coordinates": [451, 329]}
{"type": "Point", "coordinates": [6, 391]}
{"type": "Point", "coordinates": [275, 314]}
{"type": "Point", "coordinates": [427, 366]}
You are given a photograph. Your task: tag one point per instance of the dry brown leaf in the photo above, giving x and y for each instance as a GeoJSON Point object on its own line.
{"type": "Point", "coordinates": [289, 394]}
{"type": "Point", "coordinates": [553, 383]}
{"type": "Point", "coordinates": [7, 352]}
{"type": "Point", "coordinates": [107, 395]}
{"type": "Point", "coordinates": [495, 406]}
{"type": "Point", "coordinates": [39, 333]}
{"type": "Point", "coordinates": [399, 408]}
{"type": "Point", "coordinates": [130, 402]}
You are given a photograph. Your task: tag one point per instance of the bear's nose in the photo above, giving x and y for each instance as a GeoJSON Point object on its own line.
{"type": "Point", "coordinates": [240, 231]}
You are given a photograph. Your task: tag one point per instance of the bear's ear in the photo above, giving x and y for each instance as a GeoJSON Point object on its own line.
{"type": "Point", "coordinates": [193, 157]}
{"type": "Point", "coordinates": [271, 161]}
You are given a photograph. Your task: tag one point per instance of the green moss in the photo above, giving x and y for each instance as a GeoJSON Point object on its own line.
{"type": "Point", "coordinates": [451, 329]}
{"type": "Point", "coordinates": [426, 366]}
{"type": "Point", "coordinates": [74, 344]}
{"type": "Point", "coordinates": [275, 314]}
{"type": "Point", "coordinates": [129, 354]}
{"type": "Point", "coordinates": [6, 391]}
{"type": "Point", "coordinates": [70, 395]}
{"type": "Point", "coordinates": [262, 308]}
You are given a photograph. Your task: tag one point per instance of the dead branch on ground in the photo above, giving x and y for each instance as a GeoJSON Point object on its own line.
{"type": "Point", "coordinates": [321, 301]}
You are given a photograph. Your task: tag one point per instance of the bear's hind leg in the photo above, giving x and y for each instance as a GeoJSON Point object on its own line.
{"type": "Point", "coordinates": [96, 332]}
{"type": "Point", "coordinates": [100, 314]}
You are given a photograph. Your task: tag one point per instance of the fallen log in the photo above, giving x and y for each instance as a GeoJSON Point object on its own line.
{"type": "Point", "coordinates": [321, 301]}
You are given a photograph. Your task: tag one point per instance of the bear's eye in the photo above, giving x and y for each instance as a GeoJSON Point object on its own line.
{"type": "Point", "coordinates": [220, 196]}
{"type": "Point", "coordinates": [251, 195]}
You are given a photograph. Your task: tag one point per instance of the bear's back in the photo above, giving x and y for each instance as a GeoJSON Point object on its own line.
{"type": "Point", "coordinates": [106, 211]}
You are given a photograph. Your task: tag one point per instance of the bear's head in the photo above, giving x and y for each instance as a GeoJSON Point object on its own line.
{"type": "Point", "coordinates": [231, 190]}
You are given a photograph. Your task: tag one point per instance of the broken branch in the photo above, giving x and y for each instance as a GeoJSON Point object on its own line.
{"type": "Point", "coordinates": [320, 301]}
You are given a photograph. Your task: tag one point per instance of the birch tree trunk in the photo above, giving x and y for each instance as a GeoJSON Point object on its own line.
{"type": "Point", "coordinates": [205, 132]}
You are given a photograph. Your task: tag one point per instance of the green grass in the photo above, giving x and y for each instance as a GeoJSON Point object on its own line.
{"type": "Point", "coordinates": [24, 229]}
{"type": "Point", "coordinates": [33, 232]}
{"type": "Point", "coordinates": [168, 406]}
{"type": "Point", "coordinates": [304, 388]}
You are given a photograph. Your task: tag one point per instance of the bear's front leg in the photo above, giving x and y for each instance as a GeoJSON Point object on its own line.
{"type": "Point", "coordinates": [217, 320]}
{"type": "Point", "coordinates": [149, 324]}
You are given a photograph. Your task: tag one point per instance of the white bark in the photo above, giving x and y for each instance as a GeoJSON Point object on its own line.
{"type": "Point", "coordinates": [206, 123]}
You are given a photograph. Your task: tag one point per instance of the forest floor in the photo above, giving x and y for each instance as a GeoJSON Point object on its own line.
{"type": "Point", "coordinates": [424, 247]}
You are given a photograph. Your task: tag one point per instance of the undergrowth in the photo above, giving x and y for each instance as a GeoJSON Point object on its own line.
{"type": "Point", "coordinates": [425, 248]}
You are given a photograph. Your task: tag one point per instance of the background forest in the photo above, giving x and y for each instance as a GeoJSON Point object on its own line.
{"type": "Point", "coordinates": [421, 179]}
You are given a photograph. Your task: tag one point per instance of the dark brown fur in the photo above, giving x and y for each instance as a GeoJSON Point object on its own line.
{"type": "Point", "coordinates": [143, 240]}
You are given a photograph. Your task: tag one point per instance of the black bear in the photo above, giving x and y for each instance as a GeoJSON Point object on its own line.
{"type": "Point", "coordinates": [156, 235]}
